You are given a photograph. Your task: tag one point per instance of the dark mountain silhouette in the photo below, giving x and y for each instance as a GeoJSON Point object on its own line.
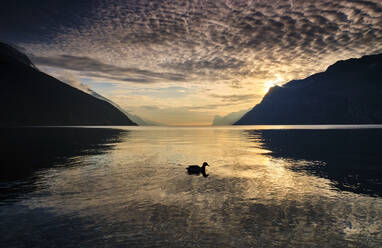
{"type": "Point", "coordinates": [31, 97]}
{"type": "Point", "coordinates": [348, 92]}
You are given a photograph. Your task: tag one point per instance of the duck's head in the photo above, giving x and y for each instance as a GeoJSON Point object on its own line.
{"type": "Point", "coordinates": [205, 164]}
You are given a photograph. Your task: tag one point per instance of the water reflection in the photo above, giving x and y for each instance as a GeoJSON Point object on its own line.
{"type": "Point", "coordinates": [26, 151]}
{"type": "Point", "coordinates": [261, 192]}
{"type": "Point", "coordinates": [349, 158]}
{"type": "Point", "coordinates": [203, 173]}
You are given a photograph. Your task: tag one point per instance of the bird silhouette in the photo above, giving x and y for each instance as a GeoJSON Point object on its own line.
{"type": "Point", "coordinates": [196, 169]}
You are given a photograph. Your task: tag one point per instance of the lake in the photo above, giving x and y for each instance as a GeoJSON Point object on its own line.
{"type": "Point", "coordinates": [267, 186]}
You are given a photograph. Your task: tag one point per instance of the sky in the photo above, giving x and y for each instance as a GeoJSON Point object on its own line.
{"type": "Point", "coordinates": [183, 62]}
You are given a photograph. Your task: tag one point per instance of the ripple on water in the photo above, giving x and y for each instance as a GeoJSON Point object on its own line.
{"type": "Point", "coordinates": [266, 188]}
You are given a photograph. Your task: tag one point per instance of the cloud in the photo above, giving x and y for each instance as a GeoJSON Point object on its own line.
{"type": "Point", "coordinates": [94, 68]}
{"type": "Point", "coordinates": [233, 47]}
{"type": "Point", "coordinates": [149, 107]}
{"type": "Point", "coordinates": [206, 41]}
{"type": "Point", "coordinates": [72, 80]}
{"type": "Point", "coordinates": [208, 107]}
{"type": "Point", "coordinates": [214, 64]}
{"type": "Point", "coordinates": [175, 115]}
{"type": "Point", "coordinates": [235, 98]}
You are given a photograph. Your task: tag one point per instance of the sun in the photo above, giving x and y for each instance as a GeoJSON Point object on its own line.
{"type": "Point", "coordinates": [270, 83]}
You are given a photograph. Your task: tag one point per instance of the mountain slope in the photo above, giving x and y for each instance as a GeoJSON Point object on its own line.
{"type": "Point", "coordinates": [30, 97]}
{"type": "Point", "coordinates": [228, 119]}
{"type": "Point", "coordinates": [142, 122]}
{"type": "Point", "coordinates": [348, 92]}
{"type": "Point", "coordinates": [135, 118]}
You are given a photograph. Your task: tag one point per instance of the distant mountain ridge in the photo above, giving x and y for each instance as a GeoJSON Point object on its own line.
{"type": "Point", "coordinates": [228, 119]}
{"type": "Point", "coordinates": [348, 92]}
{"type": "Point", "coordinates": [135, 118]}
{"type": "Point", "coordinates": [31, 97]}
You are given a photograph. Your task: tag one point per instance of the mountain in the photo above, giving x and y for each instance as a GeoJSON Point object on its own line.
{"type": "Point", "coordinates": [228, 119]}
{"type": "Point", "coordinates": [348, 92]}
{"type": "Point", "coordinates": [31, 97]}
{"type": "Point", "coordinates": [9, 53]}
{"type": "Point", "coordinates": [142, 122]}
{"type": "Point", "coordinates": [135, 118]}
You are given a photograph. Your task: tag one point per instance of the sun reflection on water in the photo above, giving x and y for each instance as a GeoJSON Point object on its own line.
{"type": "Point", "coordinates": [140, 186]}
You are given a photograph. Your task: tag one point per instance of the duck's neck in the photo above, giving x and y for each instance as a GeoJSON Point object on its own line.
{"type": "Point", "coordinates": [203, 171]}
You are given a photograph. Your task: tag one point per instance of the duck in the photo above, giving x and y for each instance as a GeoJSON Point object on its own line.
{"type": "Point", "coordinates": [196, 169]}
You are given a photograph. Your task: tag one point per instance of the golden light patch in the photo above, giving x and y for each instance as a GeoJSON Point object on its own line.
{"type": "Point", "coordinates": [269, 84]}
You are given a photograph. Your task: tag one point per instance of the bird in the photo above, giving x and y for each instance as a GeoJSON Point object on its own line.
{"type": "Point", "coordinates": [196, 169]}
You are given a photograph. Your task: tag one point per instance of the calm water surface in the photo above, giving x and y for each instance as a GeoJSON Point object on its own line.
{"type": "Point", "coordinates": [128, 187]}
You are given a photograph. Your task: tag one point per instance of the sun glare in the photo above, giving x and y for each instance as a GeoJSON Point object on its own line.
{"type": "Point", "coordinates": [269, 84]}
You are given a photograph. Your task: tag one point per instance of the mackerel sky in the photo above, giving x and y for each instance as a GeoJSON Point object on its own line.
{"type": "Point", "coordinates": [182, 62]}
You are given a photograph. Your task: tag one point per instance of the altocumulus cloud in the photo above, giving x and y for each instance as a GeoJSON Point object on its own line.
{"type": "Point", "coordinates": [200, 32]}
{"type": "Point", "coordinates": [212, 40]}
{"type": "Point", "coordinates": [95, 68]}
{"type": "Point", "coordinates": [236, 43]}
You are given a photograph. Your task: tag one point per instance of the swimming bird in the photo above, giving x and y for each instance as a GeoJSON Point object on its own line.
{"type": "Point", "coordinates": [196, 169]}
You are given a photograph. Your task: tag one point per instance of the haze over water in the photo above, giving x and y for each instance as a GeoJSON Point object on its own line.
{"type": "Point", "coordinates": [128, 187]}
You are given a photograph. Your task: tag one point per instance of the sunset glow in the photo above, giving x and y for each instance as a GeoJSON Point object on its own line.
{"type": "Point", "coordinates": [269, 84]}
{"type": "Point", "coordinates": [183, 62]}
{"type": "Point", "coordinates": [191, 123]}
